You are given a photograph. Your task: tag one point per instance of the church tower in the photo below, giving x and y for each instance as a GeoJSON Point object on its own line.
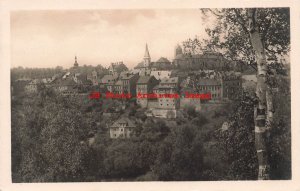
{"type": "Point", "coordinates": [147, 58]}
{"type": "Point", "coordinates": [75, 63]}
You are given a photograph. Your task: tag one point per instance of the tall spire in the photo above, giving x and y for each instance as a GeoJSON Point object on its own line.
{"type": "Point", "coordinates": [147, 55]}
{"type": "Point", "coordinates": [147, 58]}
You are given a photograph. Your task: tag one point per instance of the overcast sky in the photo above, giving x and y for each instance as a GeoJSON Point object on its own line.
{"type": "Point", "coordinates": [52, 38]}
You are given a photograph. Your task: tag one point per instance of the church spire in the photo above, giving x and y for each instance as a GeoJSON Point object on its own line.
{"type": "Point", "coordinates": [147, 58]}
{"type": "Point", "coordinates": [147, 55]}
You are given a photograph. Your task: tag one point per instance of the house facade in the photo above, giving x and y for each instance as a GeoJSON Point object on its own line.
{"type": "Point", "coordinates": [122, 128]}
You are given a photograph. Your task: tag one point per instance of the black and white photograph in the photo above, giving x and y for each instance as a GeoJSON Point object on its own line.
{"type": "Point", "coordinates": [131, 95]}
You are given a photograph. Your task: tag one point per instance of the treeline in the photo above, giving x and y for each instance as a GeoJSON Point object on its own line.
{"type": "Point", "coordinates": [39, 73]}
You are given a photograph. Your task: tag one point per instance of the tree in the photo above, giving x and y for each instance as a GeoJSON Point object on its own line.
{"type": "Point", "coordinates": [180, 155]}
{"type": "Point", "coordinates": [254, 36]}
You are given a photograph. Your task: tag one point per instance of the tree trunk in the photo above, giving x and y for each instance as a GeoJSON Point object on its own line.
{"type": "Point", "coordinates": [260, 109]}
{"type": "Point", "coordinates": [270, 107]}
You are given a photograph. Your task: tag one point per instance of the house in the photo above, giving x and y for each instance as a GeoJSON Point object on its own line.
{"type": "Point", "coordinates": [160, 74]}
{"type": "Point", "coordinates": [31, 87]}
{"type": "Point", "coordinates": [127, 84]}
{"type": "Point", "coordinates": [93, 77]}
{"type": "Point", "coordinates": [145, 85]}
{"type": "Point", "coordinates": [122, 128]}
{"type": "Point", "coordinates": [167, 102]}
{"type": "Point", "coordinates": [108, 81]}
{"type": "Point", "coordinates": [212, 86]}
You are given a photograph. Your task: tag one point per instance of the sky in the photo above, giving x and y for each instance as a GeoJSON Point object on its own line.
{"type": "Point", "coordinates": [53, 38]}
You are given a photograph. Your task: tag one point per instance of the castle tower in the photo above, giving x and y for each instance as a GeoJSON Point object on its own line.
{"type": "Point", "coordinates": [147, 58]}
{"type": "Point", "coordinates": [75, 63]}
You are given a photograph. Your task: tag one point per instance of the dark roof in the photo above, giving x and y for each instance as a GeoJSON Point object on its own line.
{"type": "Point", "coordinates": [127, 76]}
{"type": "Point", "coordinates": [163, 60]}
{"type": "Point", "coordinates": [108, 77]}
{"type": "Point", "coordinates": [123, 120]}
{"type": "Point", "coordinates": [144, 79]}
{"type": "Point", "coordinates": [68, 82]}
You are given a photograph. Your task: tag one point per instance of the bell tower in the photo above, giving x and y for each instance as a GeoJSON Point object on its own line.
{"type": "Point", "coordinates": [75, 63]}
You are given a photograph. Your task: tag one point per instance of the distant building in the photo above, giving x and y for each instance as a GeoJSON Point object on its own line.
{"type": "Point", "coordinates": [162, 64]}
{"type": "Point", "coordinates": [109, 81]}
{"type": "Point", "coordinates": [212, 86]}
{"type": "Point", "coordinates": [122, 128]}
{"type": "Point", "coordinates": [167, 103]}
{"type": "Point", "coordinates": [117, 68]}
{"type": "Point", "coordinates": [145, 85]}
{"type": "Point", "coordinates": [160, 74]}
{"type": "Point", "coordinates": [32, 86]}
{"type": "Point", "coordinates": [208, 60]}
{"type": "Point", "coordinates": [93, 76]}
{"type": "Point", "coordinates": [127, 84]}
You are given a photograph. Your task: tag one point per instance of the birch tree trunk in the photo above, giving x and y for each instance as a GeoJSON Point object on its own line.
{"type": "Point", "coordinates": [260, 109]}
{"type": "Point", "coordinates": [270, 107]}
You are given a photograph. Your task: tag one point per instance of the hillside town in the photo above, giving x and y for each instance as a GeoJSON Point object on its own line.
{"type": "Point", "coordinates": [137, 104]}
{"type": "Point", "coordinates": [203, 73]}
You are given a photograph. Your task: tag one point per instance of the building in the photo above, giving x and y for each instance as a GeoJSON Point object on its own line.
{"type": "Point", "coordinates": [160, 74]}
{"type": "Point", "coordinates": [93, 77]}
{"type": "Point", "coordinates": [207, 60]}
{"type": "Point", "coordinates": [167, 102]}
{"type": "Point", "coordinates": [108, 81]}
{"type": "Point", "coordinates": [32, 86]}
{"type": "Point", "coordinates": [145, 85]}
{"type": "Point", "coordinates": [122, 128]}
{"type": "Point", "coordinates": [162, 64]}
{"type": "Point", "coordinates": [127, 84]}
{"type": "Point", "coordinates": [117, 68]}
{"type": "Point", "coordinates": [212, 86]}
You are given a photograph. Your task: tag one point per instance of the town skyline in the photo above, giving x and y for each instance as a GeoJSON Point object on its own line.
{"type": "Point", "coordinates": [62, 35]}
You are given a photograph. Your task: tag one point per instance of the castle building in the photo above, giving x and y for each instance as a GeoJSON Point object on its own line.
{"type": "Point", "coordinates": [208, 60]}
